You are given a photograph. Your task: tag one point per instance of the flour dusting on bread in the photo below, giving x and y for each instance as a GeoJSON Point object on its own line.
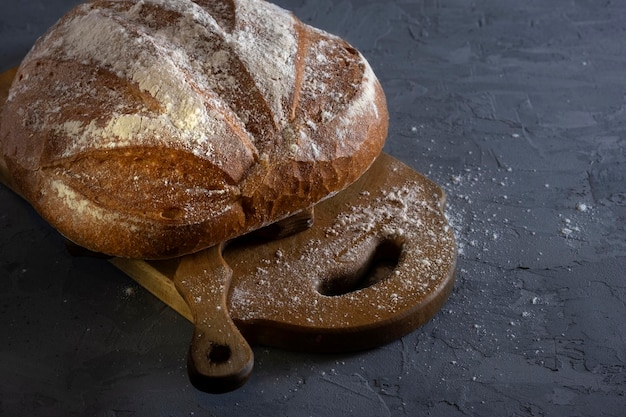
{"type": "Point", "coordinates": [240, 92]}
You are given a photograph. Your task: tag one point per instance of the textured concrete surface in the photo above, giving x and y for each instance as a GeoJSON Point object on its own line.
{"type": "Point", "coordinates": [517, 109]}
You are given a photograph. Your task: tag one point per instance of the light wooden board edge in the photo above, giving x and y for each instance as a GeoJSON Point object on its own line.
{"type": "Point", "coordinates": [155, 283]}
{"type": "Point", "coordinates": [139, 270]}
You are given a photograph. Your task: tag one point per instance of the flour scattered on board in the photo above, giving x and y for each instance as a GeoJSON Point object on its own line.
{"type": "Point", "coordinates": [402, 227]}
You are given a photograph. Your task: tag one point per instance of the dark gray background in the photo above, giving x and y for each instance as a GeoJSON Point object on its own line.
{"type": "Point", "coordinates": [517, 108]}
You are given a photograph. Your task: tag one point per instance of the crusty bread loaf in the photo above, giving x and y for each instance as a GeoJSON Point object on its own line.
{"type": "Point", "coordinates": [156, 128]}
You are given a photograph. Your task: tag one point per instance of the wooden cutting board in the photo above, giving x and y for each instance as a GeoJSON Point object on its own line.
{"type": "Point", "coordinates": [378, 262]}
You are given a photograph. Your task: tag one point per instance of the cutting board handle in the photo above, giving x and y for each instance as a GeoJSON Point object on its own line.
{"type": "Point", "coordinates": [220, 359]}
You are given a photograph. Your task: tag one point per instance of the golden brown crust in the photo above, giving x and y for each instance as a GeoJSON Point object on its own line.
{"type": "Point", "coordinates": [154, 129]}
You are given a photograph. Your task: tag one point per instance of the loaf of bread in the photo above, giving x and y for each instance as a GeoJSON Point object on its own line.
{"type": "Point", "coordinates": [156, 128]}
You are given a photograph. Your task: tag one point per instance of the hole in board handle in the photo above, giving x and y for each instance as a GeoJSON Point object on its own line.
{"type": "Point", "coordinates": [218, 353]}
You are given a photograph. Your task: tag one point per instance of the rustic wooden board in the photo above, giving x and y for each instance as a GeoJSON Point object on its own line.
{"type": "Point", "coordinates": [378, 262]}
